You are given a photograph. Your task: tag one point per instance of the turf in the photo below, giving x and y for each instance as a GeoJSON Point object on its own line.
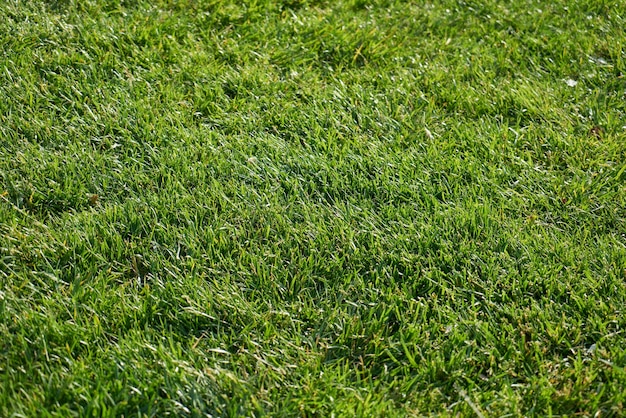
{"type": "Point", "coordinates": [312, 208]}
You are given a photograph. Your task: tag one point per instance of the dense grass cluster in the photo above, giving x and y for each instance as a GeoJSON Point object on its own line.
{"type": "Point", "coordinates": [312, 208]}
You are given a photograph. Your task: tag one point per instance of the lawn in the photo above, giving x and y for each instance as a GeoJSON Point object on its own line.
{"type": "Point", "coordinates": [312, 208]}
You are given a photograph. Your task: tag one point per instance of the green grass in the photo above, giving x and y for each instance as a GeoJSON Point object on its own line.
{"type": "Point", "coordinates": [312, 208]}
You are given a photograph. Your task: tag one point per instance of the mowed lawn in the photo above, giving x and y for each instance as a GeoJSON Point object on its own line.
{"type": "Point", "coordinates": [312, 208]}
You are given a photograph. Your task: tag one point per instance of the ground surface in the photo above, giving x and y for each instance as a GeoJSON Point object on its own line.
{"type": "Point", "coordinates": [308, 208]}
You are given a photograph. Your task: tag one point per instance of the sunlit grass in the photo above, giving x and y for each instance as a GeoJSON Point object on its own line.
{"type": "Point", "coordinates": [311, 208]}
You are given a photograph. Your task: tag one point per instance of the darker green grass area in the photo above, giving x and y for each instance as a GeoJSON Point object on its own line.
{"type": "Point", "coordinates": [312, 208]}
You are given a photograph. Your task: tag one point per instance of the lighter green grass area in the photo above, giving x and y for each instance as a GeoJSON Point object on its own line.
{"type": "Point", "coordinates": [312, 208]}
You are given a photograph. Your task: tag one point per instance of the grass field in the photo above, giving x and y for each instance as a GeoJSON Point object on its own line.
{"type": "Point", "coordinates": [312, 208]}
